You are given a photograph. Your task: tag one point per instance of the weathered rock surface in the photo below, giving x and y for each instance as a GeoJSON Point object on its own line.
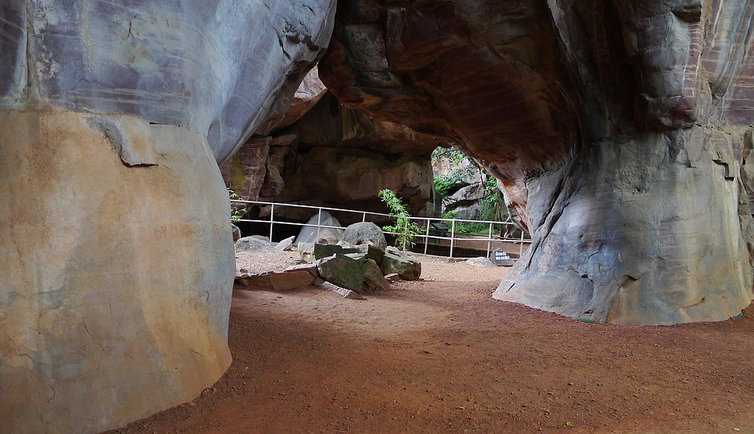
{"type": "Point", "coordinates": [401, 264]}
{"type": "Point", "coordinates": [333, 156]}
{"type": "Point", "coordinates": [116, 246]}
{"type": "Point", "coordinates": [365, 233]}
{"type": "Point", "coordinates": [114, 301]}
{"type": "Point", "coordinates": [342, 271]}
{"type": "Point", "coordinates": [254, 243]}
{"type": "Point", "coordinates": [618, 130]}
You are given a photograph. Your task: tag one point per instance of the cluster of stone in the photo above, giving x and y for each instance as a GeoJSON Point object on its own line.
{"type": "Point", "coordinates": [351, 270]}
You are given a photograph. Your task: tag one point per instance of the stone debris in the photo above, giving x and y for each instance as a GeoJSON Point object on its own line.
{"type": "Point", "coordinates": [480, 262]}
{"type": "Point", "coordinates": [343, 271]}
{"type": "Point", "coordinates": [396, 261]}
{"type": "Point", "coordinates": [254, 243]}
{"type": "Point", "coordinates": [360, 269]}
{"type": "Point", "coordinates": [285, 245]}
{"type": "Point", "coordinates": [345, 292]}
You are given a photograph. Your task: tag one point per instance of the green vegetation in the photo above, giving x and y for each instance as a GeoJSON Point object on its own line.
{"type": "Point", "coordinates": [492, 202]}
{"type": "Point", "coordinates": [405, 231]}
{"type": "Point", "coordinates": [237, 211]}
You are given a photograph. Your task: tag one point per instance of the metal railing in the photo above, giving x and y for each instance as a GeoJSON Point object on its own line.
{"type": "Point", "coordinates": [453, 224]}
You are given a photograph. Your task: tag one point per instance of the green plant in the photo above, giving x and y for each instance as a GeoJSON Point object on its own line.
{"type": "Point", "coordinates": [236, 210]}
{"type": "Point", "coordinates": [404, 229]}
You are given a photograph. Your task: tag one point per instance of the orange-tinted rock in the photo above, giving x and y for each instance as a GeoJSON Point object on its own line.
{"type": "Point", "coordinates": [618, 129]}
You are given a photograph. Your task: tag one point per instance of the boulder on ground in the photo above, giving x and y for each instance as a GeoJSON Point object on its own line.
{"type": "Point", "coordinates": [254, 243]}
{"type": "Point", "coordinates": [365, 233]}
{"type": "Point", "coordinates": [396, 261]}
{"type": "Point", "coordinates": [369, 251]}
{"type": "Point", "coordinates": [330, 235]}
{"type": "Point", "coordinates": [291, 279]}
{"type": "Point", "coordinates": [373, 278]}
{"type": "Point", "coordinates": [480, 262]}
{"type": "Point", "coordinates": [285, 244]}
{"type": "Point", "coordinates": [255, 281]}
{"type": "Point", "coordinates": [343, 271]}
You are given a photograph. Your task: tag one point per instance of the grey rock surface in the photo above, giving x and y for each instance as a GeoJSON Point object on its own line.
{"type": "Point", "coordinates": [480, 262]}
{"type": "Point", "coordinates": [119, 111]}
{"type": "Point", "coordinates": [400, 263]}
{"type": "Point", "coordinates": [253, 243]}
{"type": "Point", "coordinates": [342, 271]}
{"type": "Point", "coordinates": [213, 67]}
{"type": "Point", "coordinates": [618, 130]}
{"type": "Point", "coordinates": [365, 233]}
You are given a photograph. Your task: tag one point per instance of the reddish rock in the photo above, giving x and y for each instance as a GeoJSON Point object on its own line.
{"type": "Point", "coordinates": [618, 129]}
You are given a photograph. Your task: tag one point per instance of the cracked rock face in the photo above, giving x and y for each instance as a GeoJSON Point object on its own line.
{"type": "Point", "coordinates": [116, 246]}
{"type": "Point", "coordinates": [620, 131]}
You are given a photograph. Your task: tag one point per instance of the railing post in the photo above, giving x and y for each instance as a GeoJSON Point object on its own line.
{"type": "Point", "coordinates": [489, 240]}
{"type": "Point", "coordinates": [272, 218]}
{"type": "Point", "coordinates": [319, 222]}
{"type": "Point", "coordinates": [426, 239]}
{"type": "Point", "coordinates": [363, 217]}
{"type": "Point", "coordinates": [452, 236]}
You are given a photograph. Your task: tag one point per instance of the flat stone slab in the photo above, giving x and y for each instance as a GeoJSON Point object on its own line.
{"type": "Point", "coordinates": [291, 279]}
{"type": "Point", "coordinates": [345, 292]}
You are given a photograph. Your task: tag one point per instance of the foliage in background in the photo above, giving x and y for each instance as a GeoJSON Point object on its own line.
{"type": "Point", "coordinates": [445, 185]}
{"type": "Point", "coordinates": [405, 231]}
{"type": "Point", "coordinates": [237, 211]}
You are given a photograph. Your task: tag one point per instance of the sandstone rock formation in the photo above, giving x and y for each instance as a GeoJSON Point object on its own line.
{"type": "Point", "coordinates": [333, 156]}
{"type": "Point", "coordinates": [620, 131]}
{"type": "Point", "coordinates": [117, 256]}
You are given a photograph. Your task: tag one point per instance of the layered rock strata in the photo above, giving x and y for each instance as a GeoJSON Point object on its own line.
{"type": "Point", "coordinates": [333, 156]}
{"type": "Point", "coordinates": [620, 131]}
{"type": "Point", "coordinates": [116, 247]}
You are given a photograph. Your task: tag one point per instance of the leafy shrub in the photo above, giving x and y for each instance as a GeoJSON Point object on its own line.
{"type": "Point", "coordinates": [404, 229]}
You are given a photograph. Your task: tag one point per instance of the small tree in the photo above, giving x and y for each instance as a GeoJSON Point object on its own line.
{"type": "Point", "coordinates": [236, 212]}
{"type": "Point", "coordinates": [405, 231]}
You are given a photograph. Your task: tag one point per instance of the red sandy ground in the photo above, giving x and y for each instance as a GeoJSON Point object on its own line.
{"type": "Point", "coordinates": [441, 356]}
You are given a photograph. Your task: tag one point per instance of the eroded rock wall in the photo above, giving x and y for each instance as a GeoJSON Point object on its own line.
{"type": "Point", "coordinates": [619, 130]}
{"type": "Point", "coordinates": [117, 255]}
{"type": "Point", "coordinates": [333, 156]}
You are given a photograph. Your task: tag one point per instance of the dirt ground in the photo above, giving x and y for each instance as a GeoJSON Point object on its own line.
{"type": "Point", "coordinates": [441, 356]}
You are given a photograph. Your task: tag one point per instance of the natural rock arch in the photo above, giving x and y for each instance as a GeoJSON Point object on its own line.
{"type": "Point", "coordinates": [620, 130]}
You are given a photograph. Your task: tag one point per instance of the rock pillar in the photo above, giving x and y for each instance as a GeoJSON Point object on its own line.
{"type": "Point", "coordinates": [116, 271]}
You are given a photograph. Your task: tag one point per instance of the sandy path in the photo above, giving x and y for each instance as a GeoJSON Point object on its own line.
{"type": "Point", "coordinates": [441, 356]}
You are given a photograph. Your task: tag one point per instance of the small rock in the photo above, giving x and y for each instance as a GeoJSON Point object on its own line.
{"type": "Point", "coordinates": [345, 292]}
{"type": "Point", "coordinates": [291, 279]}
{"type": "Point", "coordinates": [254, 243]}
{"type": "Point", "coordinates": [236, 232]}
{"type": "Point", "coordinates": [285, 244]}
{"type": "Point", "coordinates": [481, 262]}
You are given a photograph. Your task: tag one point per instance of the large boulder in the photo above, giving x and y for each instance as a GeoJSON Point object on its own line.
{"type": "Point", "coordinates": [619, 131]}
{"type": "Point", "coordinates": [109, 295]}
{"type": "Point", "coordinates": [365, 233]}
{"type": "Point", "coordinates": [116, 246]}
